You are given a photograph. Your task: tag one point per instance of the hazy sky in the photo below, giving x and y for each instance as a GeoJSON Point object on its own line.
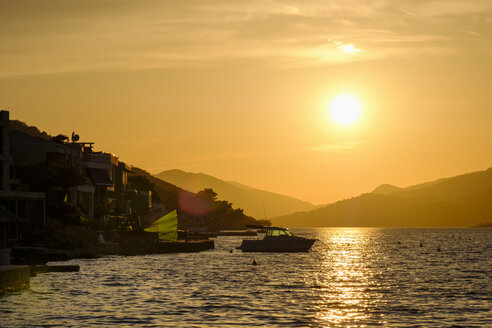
{"type": "Point", "coordinates": [240, 89]}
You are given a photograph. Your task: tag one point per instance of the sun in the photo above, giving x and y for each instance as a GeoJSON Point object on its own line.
{"type": "Point", "coordinates": [345, 109]}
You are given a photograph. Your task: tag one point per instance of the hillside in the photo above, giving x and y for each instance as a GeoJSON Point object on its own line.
{"type": "Point", "coordinates": [250, 199]}
{"type": "Point", "coordinates": [216, 214]}
{"type": "Point", "coordinates": [464, 200]}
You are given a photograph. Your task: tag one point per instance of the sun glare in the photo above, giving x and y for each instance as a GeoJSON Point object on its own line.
{"type": "Point", "coordinates": [345, 109]}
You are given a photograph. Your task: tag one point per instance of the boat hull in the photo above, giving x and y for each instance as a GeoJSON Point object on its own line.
{"type": "Point", "coordinates": [277, 245]}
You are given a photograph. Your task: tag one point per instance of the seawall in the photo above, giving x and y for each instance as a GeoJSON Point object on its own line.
{"type": "Point", "coordinates": [14, 277]}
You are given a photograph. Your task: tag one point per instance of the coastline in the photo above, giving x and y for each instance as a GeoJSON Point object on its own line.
{"type": "Point", "coordinates": [65, 242]}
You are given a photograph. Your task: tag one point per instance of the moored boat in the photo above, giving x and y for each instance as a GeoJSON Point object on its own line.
{"type": "Point", "coordinates": [277, 239]}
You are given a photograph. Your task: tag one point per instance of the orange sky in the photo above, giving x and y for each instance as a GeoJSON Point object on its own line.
{"type": "Point", "coordinates": [241, 90]}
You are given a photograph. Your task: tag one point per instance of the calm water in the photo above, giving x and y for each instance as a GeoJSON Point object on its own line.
{"type": "Point", "coordinates": [351, 277]}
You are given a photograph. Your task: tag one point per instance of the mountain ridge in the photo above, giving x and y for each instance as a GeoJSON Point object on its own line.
{"type": "Point", "coordinates": [254, 201]}
{"type": "Point", "coordinates": [462, 200]}
{"type": "Point", "coordinates": [386, 189]}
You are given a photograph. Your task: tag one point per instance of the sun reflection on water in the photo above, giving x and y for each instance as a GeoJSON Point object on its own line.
{"type": "Point", "coordinates": [345, 279]}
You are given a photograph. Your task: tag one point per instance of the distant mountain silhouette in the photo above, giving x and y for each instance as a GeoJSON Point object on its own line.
{"type": "Point", "coordinates": [386, 189]}
{"type": "Point", "coordinates": [464, 200]}
{"type": "Point", "coordinates": [245, 197]}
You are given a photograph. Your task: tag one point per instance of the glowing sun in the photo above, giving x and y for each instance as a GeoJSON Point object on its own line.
{"type": "Point", "coordinates": [345, 109]}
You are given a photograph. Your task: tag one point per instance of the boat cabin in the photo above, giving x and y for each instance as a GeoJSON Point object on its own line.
{"type": "Point", "coordinates": [277, 232]}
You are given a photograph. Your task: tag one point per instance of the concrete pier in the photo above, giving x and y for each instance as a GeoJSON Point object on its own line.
{"type": "Point", "coordinates": [14, 277]}
{"type": "Point", "coordinates": [36, 269]}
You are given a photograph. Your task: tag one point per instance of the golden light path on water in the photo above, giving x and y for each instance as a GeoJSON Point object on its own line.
{"type": "Point", "coordinates": [346, 295]}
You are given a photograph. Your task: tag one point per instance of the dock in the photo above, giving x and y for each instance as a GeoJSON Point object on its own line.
{"type": "Point", "coordinates": [36, 269]}
{"type": "Point", "coordinates": [155, 247]}
{"type": "Point", "coordinates": [14, 277]}
{"type": "Point", "coordinates": [17, 277]}
{"type": "Point", "coordinates": [184, 247]}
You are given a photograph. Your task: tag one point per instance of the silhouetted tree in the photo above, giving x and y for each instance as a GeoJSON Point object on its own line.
{"type": "Point", "coordinates": [208, 194]}
{"type": "Point", "coordinates": [61, 138]}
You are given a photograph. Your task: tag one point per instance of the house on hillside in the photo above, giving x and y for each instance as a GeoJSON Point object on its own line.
{"type": "Point", "coordinates": [15, 197]}
{"type": "Point", "coordinates": [109, 177]}
{"type": "Point", "coordinates": [99, 168]}
{"type": "Point", "coordinates": [69, 174]}
{"type": "Point", "coordinates": [120, 197]}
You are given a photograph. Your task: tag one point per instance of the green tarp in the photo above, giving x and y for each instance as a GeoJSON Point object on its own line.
{"type": "Point", "coordinates": [167, 227]}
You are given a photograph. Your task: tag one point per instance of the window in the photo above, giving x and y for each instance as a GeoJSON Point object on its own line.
{"type": "Point", "coordinates": [278, 233]}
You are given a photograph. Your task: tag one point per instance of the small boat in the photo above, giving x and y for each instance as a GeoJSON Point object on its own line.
{"type": "Point", "coordinates": [277, 239]}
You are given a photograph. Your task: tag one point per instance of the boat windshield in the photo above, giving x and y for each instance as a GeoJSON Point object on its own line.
{"type": "Point", "coordinates": [278, 233]}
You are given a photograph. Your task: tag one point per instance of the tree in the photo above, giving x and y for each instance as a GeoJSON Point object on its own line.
{"type": "Point", "coordinates": [208, 194]}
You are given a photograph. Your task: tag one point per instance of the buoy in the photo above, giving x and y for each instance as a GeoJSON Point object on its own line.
{"type": "Point", "coordinates": [254, 262]}
{"type": "Point", "coordinates": [439, 249]}
{"type": "Point", "coordinates": [421, 245]}
{"type": "Point", "coordinates": [230, 251]}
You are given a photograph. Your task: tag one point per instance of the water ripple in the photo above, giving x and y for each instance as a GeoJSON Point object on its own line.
{"type": "Point", "coordinates": [352, 277]}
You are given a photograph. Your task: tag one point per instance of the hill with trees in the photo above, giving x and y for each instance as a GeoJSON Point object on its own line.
{"type": "Point", "coordinates": [255, 202]}
{"type": "Point", "coordinates": [216, 214]}
{"type": "Point", "coordinates": [27, 129]}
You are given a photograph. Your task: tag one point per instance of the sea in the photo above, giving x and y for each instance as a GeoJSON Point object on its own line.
{"type": "Point", "coordinates": [352, 277]}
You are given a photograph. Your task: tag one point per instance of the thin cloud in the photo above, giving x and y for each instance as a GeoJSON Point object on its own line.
{"type": "Point", "coordinates": [55, 36]}
{"type": "Point", "coordinates": [407, 12]}
{"type": "Point", "coordinates": [338, 147]}
{"type": "Point", "coordinates": [471, 33]}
